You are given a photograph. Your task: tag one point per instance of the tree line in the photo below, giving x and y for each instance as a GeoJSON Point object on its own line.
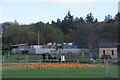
{"type": "Point", "coordinates": [80, 31]}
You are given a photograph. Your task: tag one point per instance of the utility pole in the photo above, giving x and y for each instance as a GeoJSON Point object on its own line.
{"type": "Point", "coordinates": [38, 37]}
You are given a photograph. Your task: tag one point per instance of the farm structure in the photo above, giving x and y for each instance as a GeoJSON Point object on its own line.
{"type": "Point", "coordinates": [108, 50]}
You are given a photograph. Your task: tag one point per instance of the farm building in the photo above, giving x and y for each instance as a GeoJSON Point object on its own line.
{"type": "Point", "coordinates": [40, 49]}
{"type": "Point", "coordinates": [108, 50]}
{"type": "Point", "coordinates": [18, 48]}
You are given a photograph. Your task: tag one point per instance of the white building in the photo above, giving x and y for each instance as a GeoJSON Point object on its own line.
{"type": "Point", "coordinates": [108, 49]}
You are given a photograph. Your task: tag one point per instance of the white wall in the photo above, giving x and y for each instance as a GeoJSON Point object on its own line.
{"type": "Point", "coordinates": [48, 50]}
{"type": "Point", "coordinates": [108, 51]}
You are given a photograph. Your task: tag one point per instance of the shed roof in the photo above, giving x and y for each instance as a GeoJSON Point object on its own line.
{"type": "Point", "coordinates": [107, 44]}
{"type": "Point", "coordinates": [19, 45]}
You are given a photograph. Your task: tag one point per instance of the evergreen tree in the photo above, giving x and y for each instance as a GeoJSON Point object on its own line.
{"type": "Point", "coordinates": [89, 18]}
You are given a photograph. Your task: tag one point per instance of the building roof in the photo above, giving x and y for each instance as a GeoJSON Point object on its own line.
{"type": "Point", "coordinates": [107, 44]}
{"type": "Point", "coordinates": [19, 45]}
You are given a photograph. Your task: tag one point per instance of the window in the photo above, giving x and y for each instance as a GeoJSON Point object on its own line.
{"type": "Point", "coordinates": [103, 52]}
{"type": "Point", "coordinates": [112, 52]}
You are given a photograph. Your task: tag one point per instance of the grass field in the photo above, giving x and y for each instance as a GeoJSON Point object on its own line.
{"type": "Point", "coordinates": [11, 69]}
{"type": "Point", "coordinates": [31, 56]}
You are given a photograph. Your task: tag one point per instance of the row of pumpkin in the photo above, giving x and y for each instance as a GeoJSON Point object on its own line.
{"type": "Point", "coordinates": [53, 65]}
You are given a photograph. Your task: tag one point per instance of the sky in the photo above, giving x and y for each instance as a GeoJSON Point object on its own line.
{"type": "Point", "coordinates": [32, 11]}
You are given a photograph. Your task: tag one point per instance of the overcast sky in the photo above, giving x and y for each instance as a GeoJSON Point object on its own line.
{"type": "Point", "coordinates": [32, 11]}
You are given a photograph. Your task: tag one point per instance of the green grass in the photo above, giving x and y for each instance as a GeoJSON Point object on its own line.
{"type": "Point", "coordinates": [65, 72]}
{"type": "Point", "coordinates": [87, 72]}
{"type": "Point", "coordinates": [13, 57]}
